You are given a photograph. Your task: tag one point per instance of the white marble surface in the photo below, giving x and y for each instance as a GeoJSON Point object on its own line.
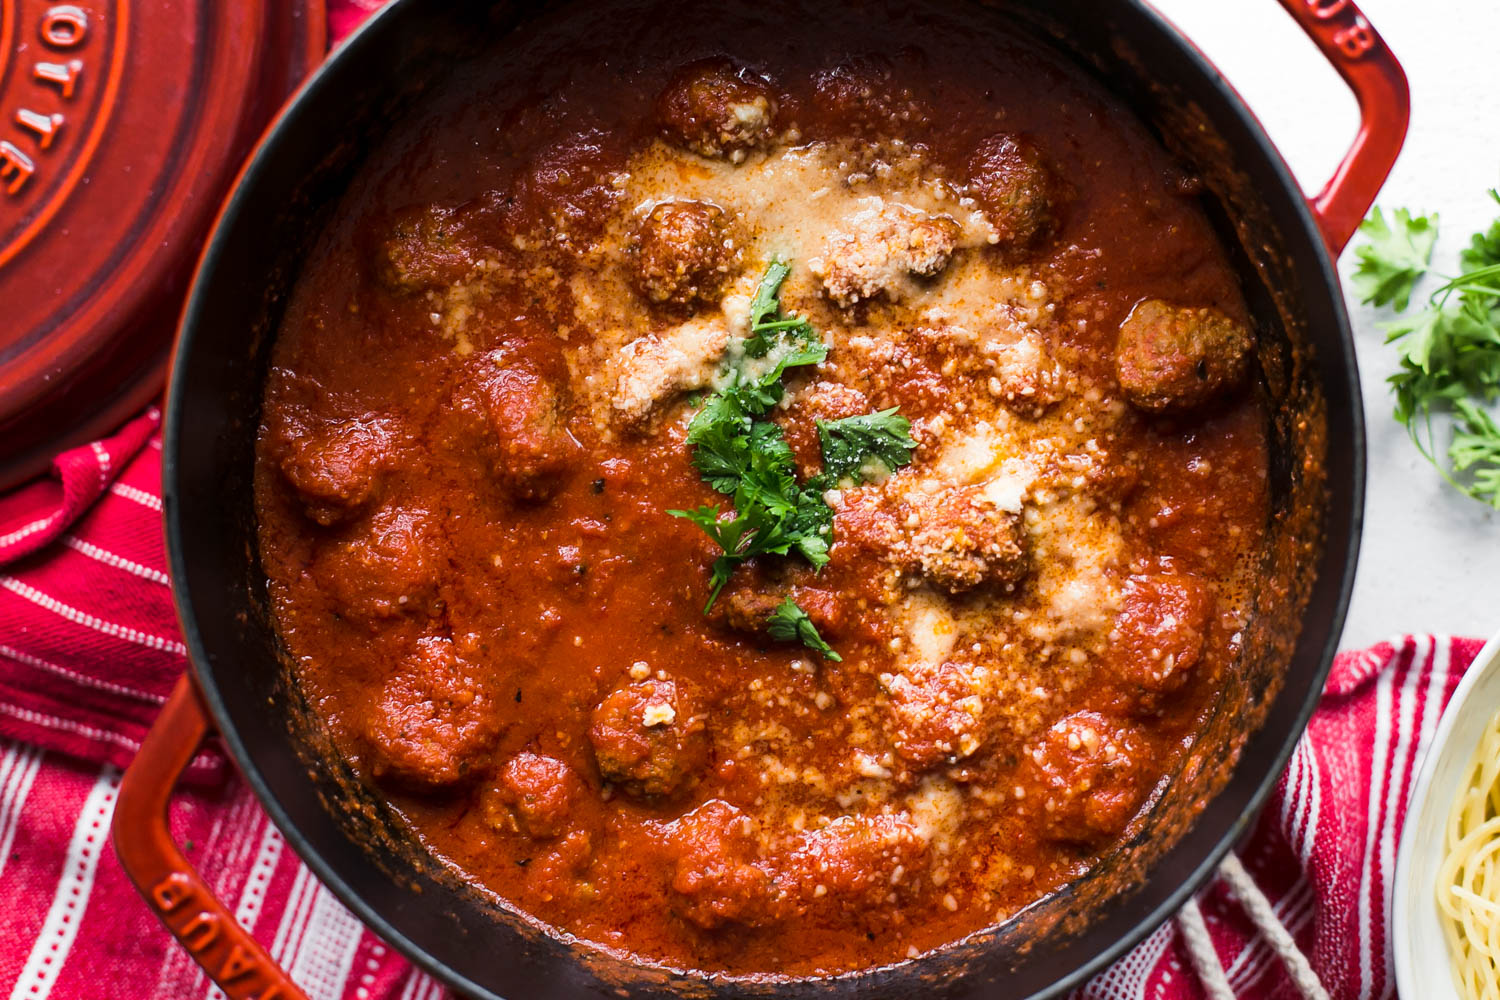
{"type": "Point", "coordinates": [1431, 556]}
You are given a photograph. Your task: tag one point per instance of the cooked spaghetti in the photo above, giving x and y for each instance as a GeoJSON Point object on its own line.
{"type": "Point", "coordinates": [1468, 888]}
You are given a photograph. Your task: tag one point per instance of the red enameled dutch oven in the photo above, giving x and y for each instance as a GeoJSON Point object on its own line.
{"type": "Point", "coordinates": [1284, 247]}
{"type": "Point", "coordinates": [122, 124]}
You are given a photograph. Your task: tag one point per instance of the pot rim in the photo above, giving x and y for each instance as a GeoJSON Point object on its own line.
{"type": "Point", "coordinates": [1343, 367]}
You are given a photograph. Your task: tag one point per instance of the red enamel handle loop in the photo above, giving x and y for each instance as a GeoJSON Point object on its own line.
{"type": "Point", "coordinates": [1370, 69]}
{"type": "Point", "coordinates": [179, 896]}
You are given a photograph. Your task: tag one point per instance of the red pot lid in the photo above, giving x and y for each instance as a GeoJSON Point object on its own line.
{"type": "Point", "coordinates": [122, 123]}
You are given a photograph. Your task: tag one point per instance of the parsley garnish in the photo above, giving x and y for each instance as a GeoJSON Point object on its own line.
{"type": "Point", "coordinates": [745, 457]}
{"type": "Point", "coordinates": [789, 621]}
{"type": "Point", "coordinates": [1394, 259]}
{"type": "Point", "coordinates": [1449, 349]}
{"type": "Point", "coordinates": [853, 444]}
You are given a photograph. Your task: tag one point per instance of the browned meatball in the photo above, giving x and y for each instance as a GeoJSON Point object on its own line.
{"type": "Point", "coordinates": [959, 540]}
{"type": "Point", "coordinates": [1174, 359]}
{"type": "Point", "coordinates": [746, 609]}
{"type": "Point", "coordinates": [1109, 474]}
{"type": "Point", "coordinates": [1026, 379]}
{"type": "Point", "coordinates": [334, 466]}
{"type": "Point", "coordinates": [385, 568]}
{"type": "Point", "coordinates": [714, 880]}
{"type": "Point", "coordinates": [428, 247]}
{"type": "Point", "coordinates": [1086, 778]}
{"type": "Point", "coordinates": [864, 93]}
{"type": "Point", "coordinates": [534, 793]}
{"type": "Point", "coordinates": [746, 604]}
{"type": "Point", "coordinates": [653, 370]}
{"type": "Point", "coordinates": [521, 405]}
{"type": "Point", "coordinates": [686, 252]}
{"type": "Point", "coordinates": [564, 196]}
{"type": "Point", "coordinates": [859, 861]}
{"type": "Point", "coordinates": [332, 453]}
{"type": "Point", "coordinates": [865, 523]}
{"type": "Point", "coordinates": [714, 108]}
{"type": "Point", "coordinates": [1017, 191]}
{"type": "Point", "coordinates": [881, 252]}
{"type": "Point", "coordinates": [433, 724]}
{"type": "Point", "coordinates": [938, 715]}
{"type": "Point", "coordinates": [1159, 635]}
{"type": "Point", "coordinates": [649, 739]}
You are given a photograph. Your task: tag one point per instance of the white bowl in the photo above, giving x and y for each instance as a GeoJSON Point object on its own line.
{"type": "Point", "coordinates": [1420, 951]}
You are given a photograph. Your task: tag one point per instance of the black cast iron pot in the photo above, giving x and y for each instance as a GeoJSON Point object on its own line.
{"type": "Point", "coordinates": [1283, 246]}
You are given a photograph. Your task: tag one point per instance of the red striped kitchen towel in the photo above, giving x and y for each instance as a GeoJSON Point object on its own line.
{"type": "Point", "coordinates": [89, 648]}
{"type": "Point", "coordinates": [88, 640]}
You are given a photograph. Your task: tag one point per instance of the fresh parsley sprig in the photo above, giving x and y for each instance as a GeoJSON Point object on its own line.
{"type": "Point", "coordinates": [1393, 260]}
{"type": "Point", "coordinates": [789, 621]}
{"type": "Point", "coordinates": [745, 457]}
{"type": "Point", "coordinates": [862, 447]}
{"type": "Point", "coordinates": [1449, 349]}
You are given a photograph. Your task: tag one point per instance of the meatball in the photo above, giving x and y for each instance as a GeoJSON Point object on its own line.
{"type": "Point", "coordinates": [938, 712]}
{"type": "Point", "coordinates": [746, 605]}
{"type": "Point", "coordinates": [856, 861]}
{"type": "Point", "coordinates": [651, 370]}
{"type": "Point", "coordinates": [746, 609]}
{"type": "Point", "coordinates": [530, 448]}
{"type": "Point", "coordinates": [878, 251]}
{"type": "Point", "coordinates": [434, 723]}
{"type": "Point", "coordinates": [335, 466]}
{"type": "Point", "coordinates": [1016, 190]}
{"type": "Point", "coordinates": [1026, 379]}
{"type": "Point", "coordinates": [1174, 359]}
{"type": "Point", "coordinates": [534, 793]}
{"type": "Point", "coordinates": [863, 93]}
{"type": "Point", "coordinates": [428, 247]}
{"type": "Point", "coordinates": [685, 253]}
{"type": "Point", "coordinates": [714, 108]}
{"type": "Point", "coordinates": [865, 523]}
{"type": "Point", "coordinates": [564, 196]}
{"type": "Point", "coordinates": [384, 569]}
{"type": "Point", "coordinates": [1090, 776]}
{"type": "Point", "coordinates": [959, 540]}
{"type": "Point", "coordinates": [714, 879]}
{"type": "Point", "coordinates": [1159, 635]}
{"type": "Point", "coordinates": [1108, 474]}
{"type": "Point", "coordinates": [649, 739]}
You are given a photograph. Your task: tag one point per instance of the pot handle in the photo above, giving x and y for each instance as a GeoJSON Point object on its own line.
{"type": "Point", "coordinates": [1346, 38]}
{"type": "Point", "coordinates": [175, 891]}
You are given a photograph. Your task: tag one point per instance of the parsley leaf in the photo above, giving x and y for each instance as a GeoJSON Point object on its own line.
{"type": "Point", "coordinates": [773, 515]}
{"type": "Point", "coordinates": [1475, 452]}
{"type": "Point", "coordinates": [1449, 355]}
{"type": "Point", "coordinates": [789, 621]}
{"type": "Point", "coordinates": [736, 535]}
{"type": "Point", "coordinates": [800, 347]}
{"type": "Point", "coordinates": [719, 437]}
{"type": "Point", "coordinates": [792, 338]}
{"type": "Point", "coordinates": [766, 305]}
{"type": "Point", "coordinates": [850, 445]}
{"type": "Point", "coordinates": [1394, 259]}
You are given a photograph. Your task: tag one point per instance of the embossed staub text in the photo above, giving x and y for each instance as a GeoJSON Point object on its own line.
{"type": "Point", "coordinates": [63, 30]}
{"type": "Point", "coordinates": [211, 939]}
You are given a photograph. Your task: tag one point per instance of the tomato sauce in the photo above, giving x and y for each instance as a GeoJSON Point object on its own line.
{"type": "Point", "coordinates": [475, 428]}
